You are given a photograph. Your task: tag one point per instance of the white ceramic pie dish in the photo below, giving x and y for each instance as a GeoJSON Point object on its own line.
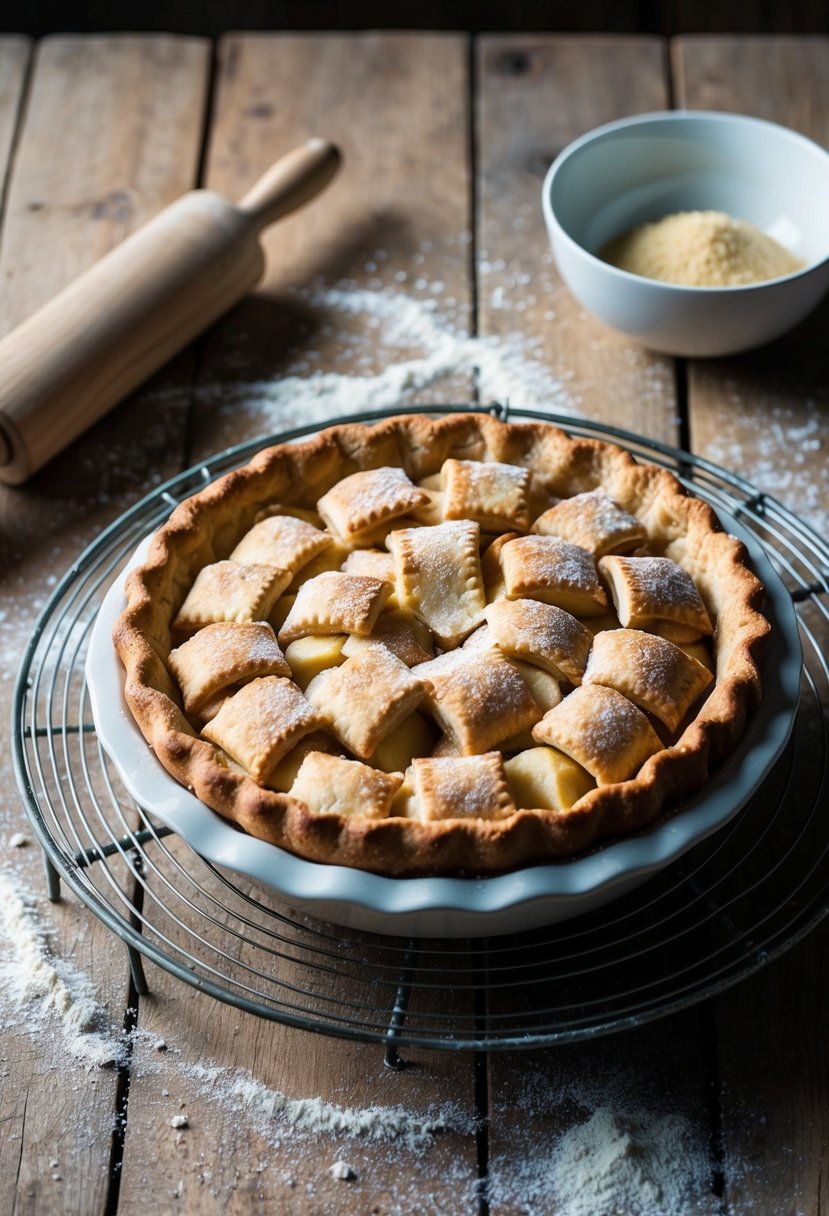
{"type": "Point", "coordinates": [454, 907]}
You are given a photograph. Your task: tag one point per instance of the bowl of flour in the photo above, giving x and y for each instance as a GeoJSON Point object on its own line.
{"type": "Point", "coordinates": [696, 233]}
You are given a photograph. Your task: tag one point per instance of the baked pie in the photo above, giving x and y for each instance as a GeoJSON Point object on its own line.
{"type": "Point", "coordinates": [442, 646]}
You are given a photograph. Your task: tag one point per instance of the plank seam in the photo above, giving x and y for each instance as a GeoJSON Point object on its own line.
{"type": "Point", "coordinates": [19, 122]}
{"type": "Point", "coordinates": [713, 1092]}
{"type": "Point", "coordinates": [124, 1068]}
{"type": "Point", "coordinates": [201, 173]}
{"type": "Point", "coordinates": [472, 153]}
{"type": "Point", "coordinates": [480, 1075]}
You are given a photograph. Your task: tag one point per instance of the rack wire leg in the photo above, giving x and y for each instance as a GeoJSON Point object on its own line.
{"type": "Point", "coordinates": [139, 979]}
{"type": "Point", "coordinates": [52, 880]}
{"type": "Point", "coordinates": [391, 1057]}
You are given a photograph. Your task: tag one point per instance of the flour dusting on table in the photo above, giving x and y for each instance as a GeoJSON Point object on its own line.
{"type": "Point", "coordinates": [413, 348]}
{"type": "Point", "coordinates": [49, 988]}
{"type": "Point", "coordinates": [636, 1163]}
{"type": "Point", "coordinates": [604, 1137]}
{"type": "Point", "coordinates": [277, 1116]}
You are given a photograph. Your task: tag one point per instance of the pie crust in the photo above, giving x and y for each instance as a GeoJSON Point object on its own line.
{"type": "Point", "coordinates": [447, 604]}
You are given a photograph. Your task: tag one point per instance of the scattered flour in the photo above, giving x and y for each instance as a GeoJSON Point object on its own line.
{"type": "Point", "coordinates": [276, 1116]}
{"type": "Point", "coordinates": [43, 985]}
{"type": "Point", "coordinates": [627, 1149]}
{"type": "Point", "coordinates": [428, 349]}
{"type": "Point", "coordinates": [629, 1164]}
{"type": "Point", "coordinates": [801, 481]}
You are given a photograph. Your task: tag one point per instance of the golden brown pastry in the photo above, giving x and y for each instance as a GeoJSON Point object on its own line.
{"type": "Point", "coordinates": [455, 693]}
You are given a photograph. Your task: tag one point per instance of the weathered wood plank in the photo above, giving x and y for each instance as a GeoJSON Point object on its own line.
{"type": "Point", "coordinates": [536, 94]}
{"type": "Point", "coordinates": [394, 219]}
{"type": "Point", "coordinates": [764, 413]}
{"type": "Point", "coordinates": [111, 133]}
{"type": "Point", "coordinates": [397, 106]}
{"type": "Point", "coordinates": [15, 54]}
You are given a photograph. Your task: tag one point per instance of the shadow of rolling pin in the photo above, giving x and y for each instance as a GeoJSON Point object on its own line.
{"type": "Point", "coordinates": [104, 334]}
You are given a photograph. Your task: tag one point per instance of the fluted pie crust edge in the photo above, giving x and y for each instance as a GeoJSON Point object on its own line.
{"type": "Point", "coordinates": [206, 527]}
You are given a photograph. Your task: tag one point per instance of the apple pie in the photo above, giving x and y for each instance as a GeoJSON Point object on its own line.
{"type": "Point", "coordinates": [442, 645]}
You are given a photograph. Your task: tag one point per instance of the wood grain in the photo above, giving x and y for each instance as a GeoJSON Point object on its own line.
{"type": "Point", "coordinates": [393, 196]}
{"type": "Point", "coordinates": [764, 413]}
{"type": "Point", "coordinates": [536, 94]}
{"type": "Point", "coordinates": [111, 133]}
{"type": "Point", "coordinates": [395, 219]}
{"type": "Point", "coordinates": [15, 54]}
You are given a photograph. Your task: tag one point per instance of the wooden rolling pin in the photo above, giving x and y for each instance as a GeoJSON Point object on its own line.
{"type": "Point", "coordinates": [132, 311]}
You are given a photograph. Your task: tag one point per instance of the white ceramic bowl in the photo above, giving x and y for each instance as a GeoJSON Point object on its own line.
{"type": "Point", "coordinates": [643, 168]}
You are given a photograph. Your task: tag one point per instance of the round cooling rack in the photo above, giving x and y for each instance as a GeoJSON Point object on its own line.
{"type": "Point", "coordinates": [727, 906]}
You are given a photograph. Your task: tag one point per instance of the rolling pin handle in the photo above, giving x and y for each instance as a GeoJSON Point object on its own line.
{"type": "Point", "coordinates": [291, 181]}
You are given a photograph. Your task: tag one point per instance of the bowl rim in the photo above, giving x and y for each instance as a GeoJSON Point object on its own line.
{"type": "Point", "coordinates": [654, 117]}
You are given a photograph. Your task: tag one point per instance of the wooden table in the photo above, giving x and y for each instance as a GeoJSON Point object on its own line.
{"type": "Point", "coordinates": [442, 137]}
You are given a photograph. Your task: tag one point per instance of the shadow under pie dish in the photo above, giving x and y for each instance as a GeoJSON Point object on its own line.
{"type": "Point", "coordinates": [394, 647]}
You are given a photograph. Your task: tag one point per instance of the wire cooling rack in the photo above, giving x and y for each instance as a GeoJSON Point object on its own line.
{"type": "Point", "coordinates": [726, 908]}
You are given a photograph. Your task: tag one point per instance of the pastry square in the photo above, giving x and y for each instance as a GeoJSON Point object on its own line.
{"type": "Point", "coordinates": [479, 699]}
{"type": "Point", "coordinates": [401, 633]}
{"type": "Point", "coordinates": [332, 557]}
{"type": "Point", "coordinates": [261, 722]}
{"type": "Point", "coordinates": [366, 698]}
{"type": "Point", "coordinates": [650, 590]}
{"type": "Point", "coordinates": [650, 671]}
{"type": "Point", "coordinates": [439, 577]}
{"type": "Point", "coordinates": [225, 654]}
{"type": "Point", "coordinates": [332, 785]}
{"type": "Point", "coordinates": [541, 634]}
{"type": "Point", "coordinates": [228, 591]}
{"type": "Point", "coordinates": [282, 541]}
{"type": "Point", "coordinates": [462, 787]}
{"type": "Point", "coordinates": [493, 494]}
{"type": "Point", "coordinates": [377, 563]}
{"type": "Point", "coordinates": [334, 602]}
{"type": "Point", "coordinates": [555, 572]}
{"type": "Point", "coordinates": [593, 521]}
{"type": "Point", "coordinates": [602, 731]}
{"type": "Point", "coordinates": [361, 502]}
